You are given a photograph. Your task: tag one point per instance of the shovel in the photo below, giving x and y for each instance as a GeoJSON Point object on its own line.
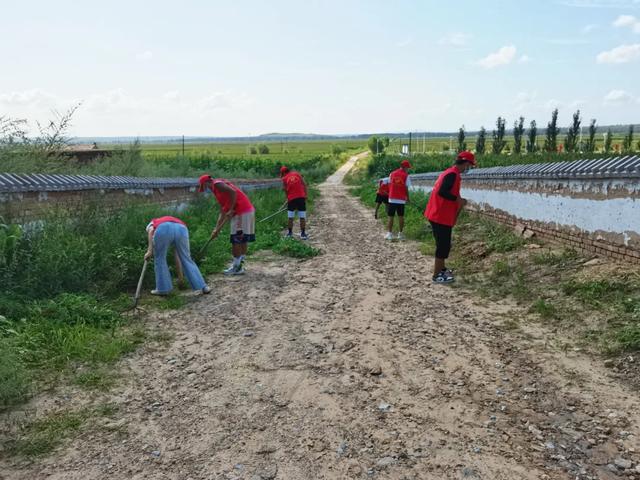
{"type": "Point", "coordinates": [273, 214]}
{"type": "Point", "coordinates": [139, 288]}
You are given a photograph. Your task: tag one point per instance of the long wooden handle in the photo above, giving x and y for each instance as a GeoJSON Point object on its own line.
{"type": "Point", "coordinates": [204, 247]}
{"type": "Point", "coordinates": [273, 214]}
{"type": "Point", "coordinates": [139, 288]}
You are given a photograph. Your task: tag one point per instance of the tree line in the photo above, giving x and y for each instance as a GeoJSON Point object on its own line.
{"type": "Point", "coordinates": [531, 140]}
{"type": "Point", "coordinates": [527, 141]}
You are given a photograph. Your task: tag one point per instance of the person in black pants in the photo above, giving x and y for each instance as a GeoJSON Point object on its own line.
{"type": "Point", "coordinates": [442, 212]}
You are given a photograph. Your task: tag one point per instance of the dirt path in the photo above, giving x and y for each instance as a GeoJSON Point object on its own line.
{"type": "Point", "coordinates": [353, 365]}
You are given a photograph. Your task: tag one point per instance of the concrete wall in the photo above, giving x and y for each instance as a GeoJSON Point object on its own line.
{"type": "Point", "coordinates": [596, 215]}
{"type": "Point", "coordinates": [23, 204]}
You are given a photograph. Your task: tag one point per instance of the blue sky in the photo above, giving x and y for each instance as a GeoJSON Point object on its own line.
{"type": "Point", "coordinates": [252, 67]}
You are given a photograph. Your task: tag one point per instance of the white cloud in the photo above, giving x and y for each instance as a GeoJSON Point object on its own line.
{"type": "Point", "coordinates": [553, 104]}
{"type": "Point", "coordinates": [30, 98]}
{"type": "Point", "coordinates": [503, 56]}
{"type": "Point", "coordinates": [618, 97]}
{"type": "Point", "coordinates": [172, 95]}
{"type": "Point", "coordinates": [112, 101]}
{"type": "Point", "coordinates": [627, 21]}
{"type": "Point", "coordinates": [524, 100]}
{"type": "Point", "coordinates": [589, 28]}
{"type": "Point", "coordinates": [404, 43]}
{"type": "Point", "coordinates": [524, 59]}
{"type": "Point", "coordinates": [620, 54]}
{"type": "Point", "coordinates": [223, 100]}
{"type": "Point", "coordinates": [145, 56]}
{"type": "Point", "coordinates": [455, 39]}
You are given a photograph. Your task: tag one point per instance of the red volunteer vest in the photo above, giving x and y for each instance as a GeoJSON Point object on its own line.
{"type": "Point", "coordinates": [383, 189]}
{"type": "Point", "coordinates": [156, 222]}
{"type": "Point", "coordinates": [243, 204]}
{"type": "Point", "coordinates": [398, 185]}
{"type": "Point", "coordinates": [293, 186]}
{"type": "Point", "coordinates": [440, 210]}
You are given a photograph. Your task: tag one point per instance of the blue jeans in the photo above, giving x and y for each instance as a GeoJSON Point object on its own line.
{"type": "Point", "coordinates": [168, 234]}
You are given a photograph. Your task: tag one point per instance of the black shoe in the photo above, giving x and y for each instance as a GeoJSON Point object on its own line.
{"type": "Point", "coordinates": [443, 277]}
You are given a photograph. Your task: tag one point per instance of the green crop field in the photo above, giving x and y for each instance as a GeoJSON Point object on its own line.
{"type": "Point", "coordinates": [276, 148]}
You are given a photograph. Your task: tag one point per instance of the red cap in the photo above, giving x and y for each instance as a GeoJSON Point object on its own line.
{"type": "Point", "coordinates": [283, 170]}
{"type": "Point", "coordinates": [468, 157]}
{"type": "Point", "coordinates": [202, 181]}
{"type": "Point", "coordinates": [405, 164]}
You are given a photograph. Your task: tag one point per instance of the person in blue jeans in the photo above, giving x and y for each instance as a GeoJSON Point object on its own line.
{"type": "Point", "coordinates": [162, 233]}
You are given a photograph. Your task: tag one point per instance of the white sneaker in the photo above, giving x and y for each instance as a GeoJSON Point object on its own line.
{"type": "Point", "coordinates": [400, 236]}
{"type": "Point", "coordinates": [233, 270]}
{"type": "Point", "coordinates": [388, 236]}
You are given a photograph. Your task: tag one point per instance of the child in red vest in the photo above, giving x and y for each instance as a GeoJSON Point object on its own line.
{"type": "Point", "coordinates": [399, 183]}
{"type": "Point", "coordinates": [442, 212]}
{"type": "Point", "coordinates": [382, 195]}
{"type": "Point", "coordinates": [296, 191]}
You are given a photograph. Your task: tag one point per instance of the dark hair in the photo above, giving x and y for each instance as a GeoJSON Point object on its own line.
{"type": "Point", "coordinates": [460, 161]}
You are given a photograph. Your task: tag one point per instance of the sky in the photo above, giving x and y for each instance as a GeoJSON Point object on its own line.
{"type": "Point", "coordinates": [236, 68]}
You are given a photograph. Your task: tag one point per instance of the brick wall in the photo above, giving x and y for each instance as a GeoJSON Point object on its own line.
{"type": "Point", "coordinates": [577, 239]}
{"type": "Point", "coordinates": [28, 206]}
{"type": "Point", "coordinates": [587, 216]}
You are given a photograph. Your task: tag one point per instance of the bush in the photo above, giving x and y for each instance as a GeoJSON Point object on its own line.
{"type": "Point", "coordinates": [263, 149]}
{"type": "Point", "coordinates": [295, 248]}
{"type": "Point", "coordinates": [15, 381]}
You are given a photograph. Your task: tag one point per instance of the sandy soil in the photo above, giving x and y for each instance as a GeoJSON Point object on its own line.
{"type": "Point", "coordinates": [352, 365]}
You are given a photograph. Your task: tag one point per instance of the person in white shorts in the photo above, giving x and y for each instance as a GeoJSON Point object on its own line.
{"type": "Point", "coordinates": [236, 208]}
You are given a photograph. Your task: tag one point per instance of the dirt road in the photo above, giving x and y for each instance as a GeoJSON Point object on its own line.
{"type": "Point", "coordinates": [353, 365]}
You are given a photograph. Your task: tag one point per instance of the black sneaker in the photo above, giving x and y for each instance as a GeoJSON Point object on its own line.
{"type": "Point", "coordinates": [443, 277]}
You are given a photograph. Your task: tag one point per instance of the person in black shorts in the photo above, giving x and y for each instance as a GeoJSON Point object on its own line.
{"type": "Point", "coordinates": [382, 196]}
{"type": "Point", "coordinates": [295, 189]}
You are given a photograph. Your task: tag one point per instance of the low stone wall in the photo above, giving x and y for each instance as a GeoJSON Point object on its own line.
{"type": "Point", "coordinates": [25, 199]}
{"type": "Point", "coordinates": [594, 211]}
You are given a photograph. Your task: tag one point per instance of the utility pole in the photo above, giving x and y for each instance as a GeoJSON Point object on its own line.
{"type": "Point", "coordinates": [409, 143]}
{"type": "Point", "coordinates": [183, 145]}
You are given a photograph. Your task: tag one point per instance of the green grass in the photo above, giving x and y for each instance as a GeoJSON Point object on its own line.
{"type": "Point", "coordinates": [565, 258]}
{"type": "Point", "coordinates": [295, 248]}
{"type": "Point", "coordinates": [95, 379]}
{"type": "Point", "coordinates": [40, 437]}
{"type": "Point", "coordinates": [597, 311]}
{"type": "Point", "coordinates": [65, 284]}
{"type": "Point", "coordinates": [315, 160]}
{"type": "Point", "coordinates": [45, 435]}
{"type": "Point", "coordinates": [382, 165]}
{"type": "Point", "coordinates": [544, 308]}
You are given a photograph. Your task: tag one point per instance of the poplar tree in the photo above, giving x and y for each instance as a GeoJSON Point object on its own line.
{"type": "Point", "coordinates": [627, 142]}
{"type": "Point", "coordinates": [591, 143]}
{"type": "Point", "coordinates": [498, 136]}
{"type": "Point", "coordinates": [571, 140]}
{"type": "Point", "coordinates": [518, 132]}
{"type": "Point", "coordinates": [532, 146]}
{"type": "Point", "coordinates": [607, 141]}
{"type": "Point", "coordinates": [551, 140]}
{"type": "Point", "coordinates": [462, 145]}
{"type": "Point", "coordinates": [481, 141]}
